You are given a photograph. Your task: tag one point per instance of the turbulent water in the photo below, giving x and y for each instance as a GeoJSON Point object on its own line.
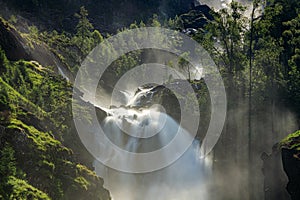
{"type": "Point", "coordinates": [218, 4]}
{"type": "Point", "coordinates": [143, 130]}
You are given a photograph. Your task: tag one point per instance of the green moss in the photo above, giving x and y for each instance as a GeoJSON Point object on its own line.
{"type": "Point", "coordinates": [292, 141]}
{"type": "Point", "coordinates": [36, 105]}
{"type": "Point", "coordinates": [16, 99]}
{"type": "Point", "coordinates": [83, 183]}
{"type": "Point", "coordinates": [22, 190]}
{"type": "Point", "coordinates": [47, 164]}
{"type": "Point", "coordinates": [41, 139]}
{"type": "Point", "coordinates": [84, 170]}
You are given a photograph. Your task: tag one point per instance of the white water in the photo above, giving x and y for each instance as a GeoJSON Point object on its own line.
{"type": "Point", "coordinates": [146, 130]}
{"type": "Point", "coordinates": [61, 72]}
{"type": "Point", "coordinates": [219, 4]}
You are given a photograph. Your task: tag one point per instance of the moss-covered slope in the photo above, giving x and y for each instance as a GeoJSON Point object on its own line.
{"type": "Point", "coordinates": [35, 128]}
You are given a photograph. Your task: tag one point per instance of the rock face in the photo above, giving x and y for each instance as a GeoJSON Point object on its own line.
{"type": "Point", "coordinates": [41, 156]}
{"type": "Point", "coordinates": [291, 163]}
{"type": "Point", "coordinates": [197, 17]}
{"type": "Point", "coordinates": [59, 176]}
{"type": "Point", "coordinates": [275, 179]}
{"type": "Point", "coordinates": [165, 96]}
{"type": "Point", "coordinates": [17, 47]}
{"type": "Point", "coordinates": [11, 42]}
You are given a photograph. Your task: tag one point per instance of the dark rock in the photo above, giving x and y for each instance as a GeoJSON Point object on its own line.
{"type": "Point", "coordinates": [275, 179]}
{"type": "Point", "coordinates": [17, 47]}
{"type": "Point", "coordinates": [291, 165]}
{"type": "Point", "coordinates": [196, 18]}
{"type": "Point", "coordinates": [12, 43]}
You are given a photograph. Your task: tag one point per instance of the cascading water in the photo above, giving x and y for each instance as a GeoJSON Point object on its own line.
{"type": "Point", "coordinates": [219, 4]}
{"type": "Point", "coordinates": [144, 129]}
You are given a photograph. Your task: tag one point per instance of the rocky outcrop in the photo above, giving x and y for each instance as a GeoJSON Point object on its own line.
{"type": "Point", "coordinates": [39, 146]}
{"type": "Point", "coordinates": [291, 163]}
{"type": "Point", "coordinates": [197, 17]}
{"type": "Point", "coordinates": [49, 166]}
{"type": "Point", "coordinates": [18, 47]}
{"type": "Point", "coordinates": [275, 179]}
{"type": "Point", "coordinates": [12, 43]}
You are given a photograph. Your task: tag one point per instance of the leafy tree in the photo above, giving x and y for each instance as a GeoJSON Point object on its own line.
{"type": "Point", "coordinates": [228, 30]}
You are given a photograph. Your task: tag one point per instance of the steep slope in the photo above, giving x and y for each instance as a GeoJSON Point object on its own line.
{"type": "Point", "coordinates": [21, 45]}
{"type": "Point", "coordinates": [35, 125]}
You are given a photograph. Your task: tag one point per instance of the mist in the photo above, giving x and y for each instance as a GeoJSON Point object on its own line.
{"type": "Point", "coordinates": [219, 4]}
{"type": "Point", "coordinates": [225, 174]}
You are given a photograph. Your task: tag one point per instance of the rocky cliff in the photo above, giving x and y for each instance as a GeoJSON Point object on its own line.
{"type": "Point", "coordinates": [291, 163]}
{"type": "Point", "coordinates": [41, 156]}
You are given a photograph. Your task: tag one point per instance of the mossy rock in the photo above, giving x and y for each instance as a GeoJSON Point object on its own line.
{"type": "Point", "coordinates": [292, 141]}
{"type": "Point", "coordinates": [292, 144]}
{"type": "Point", "coordinates": [22, 190]}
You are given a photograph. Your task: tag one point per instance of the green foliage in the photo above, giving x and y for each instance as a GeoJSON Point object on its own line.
{"type": "Point", "coordinates": [154, 22]}
{"type": "Point", "coordinates": [41, 140]}
{"type": "Point", "coordinates": [33, 93]}
{"type": "Point", "coordinates": [82, 182]}
{"type": "Point", "coordinates": [185, 65]}
{"type": "Point", "coordinates": [4, 104]}
{"type": "Point", "coordinates": [12, 187]}
{"type": "Point", "coordinates": [13, 19]}
{"type": "Point", "coordinates": [22, 190]}
{"type": "Point", "coordinates": [292, 141]}
{"type": "Point", "coordinates": [35, 106]}
{"type": "Point", "coordinates": [7, 162]}
{"type": "Point", "coordinates": [84, 34]}
{"type": "Point", "coordinates": [275, 55]}
{"type": "Point", "coordinates": [227, 29]}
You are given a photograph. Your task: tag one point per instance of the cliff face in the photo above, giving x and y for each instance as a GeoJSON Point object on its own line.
{"type": "Point", "coordinates": [11, 43]}
{"type": "Point", "coordinates": [19, 46]}
{"type": "Point", "coordinates": [41, 156]}
{"type": "Point", "coordinates": [275, 179]}
{"type": "Point", "coordinates": [291, 163]}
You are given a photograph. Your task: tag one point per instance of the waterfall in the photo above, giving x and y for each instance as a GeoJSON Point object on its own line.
{"type": "Point", "coordinates": [220, 4]}
{"type": "Point", "coordinates": [141, 129]}
{"type": "Point", "coordinates": [61, 72]}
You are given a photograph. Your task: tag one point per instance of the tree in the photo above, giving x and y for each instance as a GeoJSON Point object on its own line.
{"type": "Point", "coordinates": [84, 32]}
{"type": "Point", "coordinates": [7, 169]}
{"type": "Point", "coordinates": [185, 65]}
{"type": "Point", "coordinates": [8, 162]}
{"type": "Point", "coordinates": [253, 18]}
{"type": "Point", "coordinates": [292, 38]}
{"type": "Point", "coordinates": [227, 30]}
{"type": "Point", "coordinates": [84, 26]}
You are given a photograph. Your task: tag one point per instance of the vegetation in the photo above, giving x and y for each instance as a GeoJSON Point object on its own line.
{"type": "Point", "coordinates": [35, 122]}
{"type": "Point", "coordinates": [259, 59]}
{"type": "Point", "coordinates": [292, 141]}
